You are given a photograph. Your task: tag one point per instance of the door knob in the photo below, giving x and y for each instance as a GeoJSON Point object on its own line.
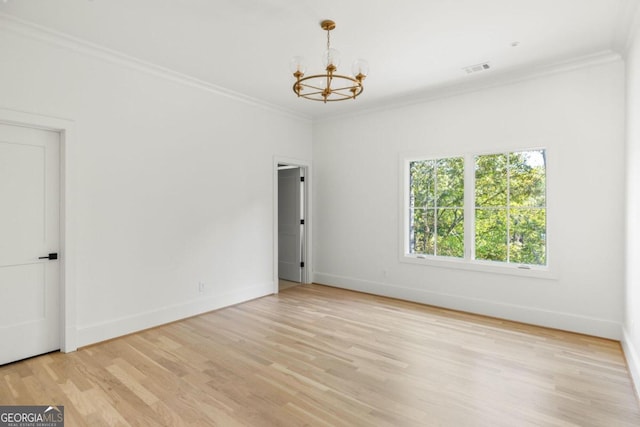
{"type": "Point", "coordinates": [53, 255]}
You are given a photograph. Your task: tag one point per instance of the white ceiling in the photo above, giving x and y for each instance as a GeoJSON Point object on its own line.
{"type": "Point", "coordinates": [412, 46]}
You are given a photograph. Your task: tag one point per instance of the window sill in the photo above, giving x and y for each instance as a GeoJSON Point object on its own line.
{"type": "Point", "coordinates": [480, 266]}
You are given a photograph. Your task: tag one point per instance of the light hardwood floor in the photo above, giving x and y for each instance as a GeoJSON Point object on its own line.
{"type": "Point", "coordinates": [286, 284]}
{"type": "Point", "coordinates": [315, 355]}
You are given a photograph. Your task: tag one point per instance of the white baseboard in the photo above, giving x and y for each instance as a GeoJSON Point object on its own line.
{"type": "Point", "coordinates": [103, 331]}
{"type": "Point", "coordinates": [531, 315]}
{"type": "Point", "coordinates": [633, 359]}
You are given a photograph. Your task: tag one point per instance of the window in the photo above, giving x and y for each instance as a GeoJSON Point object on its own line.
{"type": "Point", "coordinates": [510, 207]}
{"type": "Point", "coordinates": [506, 208]}
{"type": "Point", "coordinates": [437, 207]}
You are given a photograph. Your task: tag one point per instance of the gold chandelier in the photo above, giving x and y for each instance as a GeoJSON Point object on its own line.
{"type": "Point", "coordinates": [330, 86]}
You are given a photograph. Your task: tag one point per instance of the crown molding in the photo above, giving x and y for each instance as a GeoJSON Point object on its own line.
{"type": "Point", "coordinates": [629, 18]}
{"type": "Point", "coordinates": [627, 26]}
{"type": "Point", "coordinates": [480, 83]}
{"type": "Point", "coordinates": [66, 41]}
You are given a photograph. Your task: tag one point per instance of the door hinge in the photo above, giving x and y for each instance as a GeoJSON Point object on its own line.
{"type": "Point", "coordinates": [302, 264]}
{"type": "Point", "coordinates": [302, 179]}
{"type": "Point", "coordinates": [302, 222]}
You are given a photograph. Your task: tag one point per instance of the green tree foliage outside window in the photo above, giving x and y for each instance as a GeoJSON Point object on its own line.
{"type": "Point", "coordinates": [510, 207]}
{"type": "Point", "coordinates": [436, 211]}
{"type": "Point", "coordinates": [510, 218]}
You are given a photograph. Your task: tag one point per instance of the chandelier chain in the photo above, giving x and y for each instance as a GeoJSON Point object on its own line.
{"type": "Point", "coordinates": [328, 39]}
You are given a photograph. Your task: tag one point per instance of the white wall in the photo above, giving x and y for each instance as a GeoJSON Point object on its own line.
{"type": "Point", "coordinates": [631, 341]}
{"type": "Point", "coordinates": [172, 183]}
{"type": "Point", "coordinates": [577, 115]}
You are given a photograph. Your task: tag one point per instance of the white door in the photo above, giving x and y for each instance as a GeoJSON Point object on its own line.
{"type": "Point", "coordinates": [29, 229]}
{"type": "Point", "coordinates": [289, 224]}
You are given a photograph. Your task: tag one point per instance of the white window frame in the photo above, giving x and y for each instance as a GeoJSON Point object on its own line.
{"type": "Point", "coordinates": [468, 262]}
{"type": "Point", "coordinates": [435, 159]}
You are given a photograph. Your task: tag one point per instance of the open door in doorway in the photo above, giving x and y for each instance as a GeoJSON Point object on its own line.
{"type": "Point", "coordinates": [291, 223]}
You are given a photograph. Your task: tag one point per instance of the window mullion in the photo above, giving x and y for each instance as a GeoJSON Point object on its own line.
{"type": "Point", "coordinates": [435, 208]}
{"type": "Point", "coordinates": [508, 207]}
{"type": "Point", "coordinates": [469, 206]}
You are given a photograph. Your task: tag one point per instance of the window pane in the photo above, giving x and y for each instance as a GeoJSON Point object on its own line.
{"type": "Point", "coordinates": [491, 234]}
{"type": "Point", "coordinates": [527, 236]}
{"type": "Point", "coordinates": [451, 232]}
{"type": "Point", "coordinates": [421, 239]}
{"type": "Point", "coordinates": [527, 184]}
{"type": "Point", "coordinates": [491, 180]}
{"type": "Point", "coordinates": [422, 183]}
{"type": "Point", "coordinates": [450, 184]}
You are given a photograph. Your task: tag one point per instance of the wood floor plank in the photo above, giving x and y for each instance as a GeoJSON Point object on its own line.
{"type": "Point", "coordinates": [320, 356]}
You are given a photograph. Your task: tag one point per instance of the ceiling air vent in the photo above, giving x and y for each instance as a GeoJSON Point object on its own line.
{"type": "Point", "coordinates": [477, 68]}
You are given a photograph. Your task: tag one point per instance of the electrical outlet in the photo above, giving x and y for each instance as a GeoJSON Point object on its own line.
{"type": "Point", "coordinates": [201, 287]}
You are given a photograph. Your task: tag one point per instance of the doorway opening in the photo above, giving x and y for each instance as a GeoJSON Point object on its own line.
{"type": "Point", "coordinates": [64, 133]}
{"type": "Point", "coordinates": [291, 223]}
{"type": "Point", "coordinates": [30, 228]}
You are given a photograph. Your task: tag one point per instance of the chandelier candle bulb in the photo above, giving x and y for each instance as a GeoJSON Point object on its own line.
{"type": "Point", "coordinates": [360, 69]}
{"type": "Point", "coordinates": [329, 86]}
{"type": "Point", "coordinates": [298, 64]}
{"type": "Point", "coordinates": [331, 57]}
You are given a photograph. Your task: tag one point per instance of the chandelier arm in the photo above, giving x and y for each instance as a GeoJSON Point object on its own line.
{"type": "Point", "coordinates": [321, 99]}
{"type": "Point", "coordinates": [347, 87]}
{"type": "Point", "coordinates": [311, 86]}
{"type": "Point", "coordinates": [341, 96]}
{"type": "Point", "coordinates": [310, 93]}
{"type": "Point", "coordinates": [325, 101]}
{"type": "Point", "coordinates": [334, 76]}
{"type": "Point", "coordinates": [350, 95]}
{"type": "Point", "coordinates": [338, 96]}
{"type": "Point", "coordinates": [351, 91]}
